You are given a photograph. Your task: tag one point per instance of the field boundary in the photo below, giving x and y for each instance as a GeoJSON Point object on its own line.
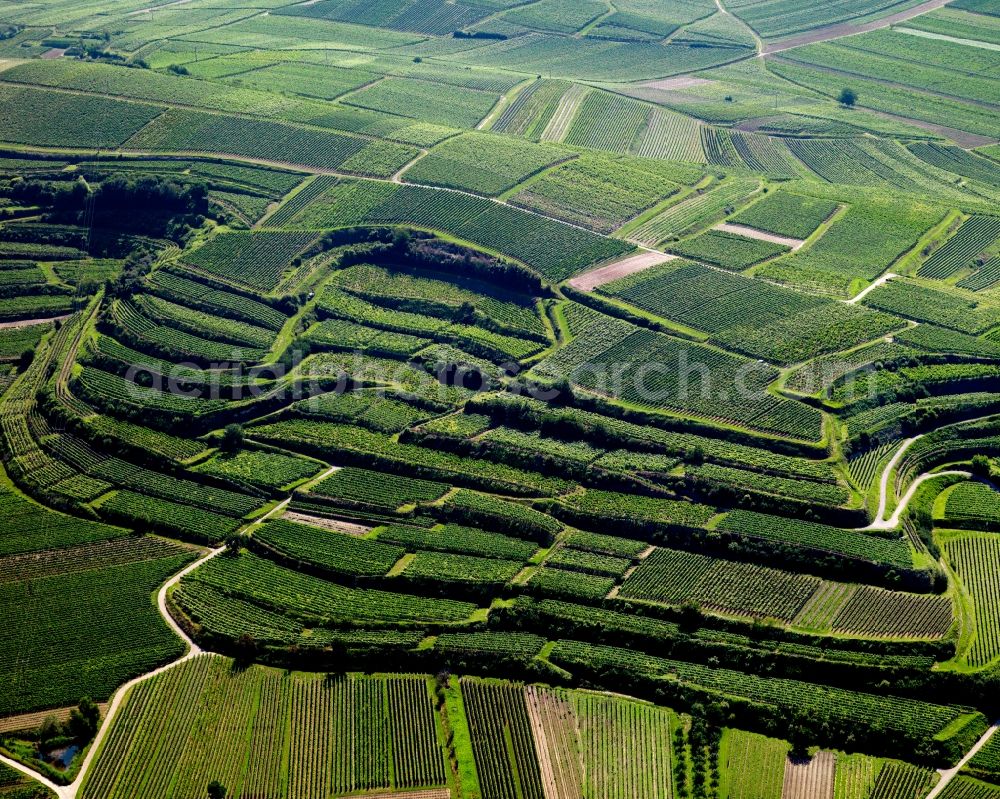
{"type": "Point", "coordinates": [841, 30]}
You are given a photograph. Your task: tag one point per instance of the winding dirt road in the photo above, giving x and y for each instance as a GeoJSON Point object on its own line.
{"type": "Point", "coordinates": [892, 522]}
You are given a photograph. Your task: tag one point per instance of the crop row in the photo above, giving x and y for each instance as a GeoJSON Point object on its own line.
{"type": "Point", "coordinates": [269, 470]}
{"type": "Point", "coordinates": [134, 326]}
{"type": "Point", "coordinates": [82, 633]}
{"type": "Point", "coordinates": [697, 209]}
{"type": "Point", "coordinates": [589, 562]}
{"type": "Point", "coordinates": [257, 259]}
{"type": "Point", "coordinates": [459, 539]}
{"type": "Point", "coordinates": [862, 242]}
{"type": "Point", "coordinates": [872, 612]}
{"type": "Point", "coordinates": [643, 444]}
{"type": "Point", "coordinates": [443, 296]}
{"type": "Point", "coordinates": [85, 557]}
{"type": "Point", "coordinates": [786, 214]}
{"type": "Point", "coordinates": [946, 308]}
{"type": "Point", "coordinates": [671, 136]}
{"type": "Point", "coordinates": [607, 121]}
{"type": "Point", "coordinates": [910, 719]}
{"type": "Point", "coordinates": [29, 527]}
{"type": "Point", "coordinates": [55, 119]}
{"type": "Point", "coordinates": [972, 238]}
{"type": "Point", "coordinates": [188, 291]}
{"type": "Point", "coordinates": [336, 734]}
{"type": "Point", "coordinates": [613, 505]}
{"type": "Point", "coordinates": [118, 394]}
{"type": "Point", "coordinates": [728, 586]}
{"type": "Point", "coordinates": [818, 536]}
{"type": "Point", "coordinates": [502, 743]}
{"type": "Point", "coordinates": [192, 131]}
{"type": "Point", "coordinates": [765, 154]}
{"type": "Point", "coordinates": [483, 163]}
{"type": "Point", "coordinates": [446, 567]}
{"type": "Point", "coordinates": [532, 109]}
{"type": "Point", "coordinates": [986, 762]}
{"type": "Point", "coordinates": [955, 159]}
{"type": "Point", "coordinates": [370, 409]}
{"type": "Point", "coordinates": [143, 512]}
{"type": "Point", "coordinates": [570, 585]}
{"type": "Point", "coordinates": [974, 558]}
{"type": "Point", "coordinates": [820, 493]}
{"type": "Point", "coordinates": [340, 334]}
{"type": "Point", "coordinates": [203, 324]}
{"type": "Point", "coordinates": [656, 371]}
{"type": "Point", "coordinates": [601, 191]}
{"type": "Point", "coordinates": [370, 449]}
{"type": "Point", "coordinates": [984, 277]}
{"type": "Point", "coordinates": [708, 299]}
{"type": "Point", "coordinates": [344, 555]}
{"type": "Point", "coordinates": [164, 486]}
{"type": "Point", "coordinates": [311, 598]}
{"type": "Point", "coordinates": [728, 250]}
{"type": "Point", "coordinates": [386, 492]}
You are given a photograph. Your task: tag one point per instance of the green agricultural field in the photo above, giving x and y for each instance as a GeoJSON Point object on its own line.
{"type": "Point", "coordinates": [75, 596]}
{"type": "Point", "coordinates": [45, 118]}
{"type": "Point", "coordinates": [882, 229]}
{"type": "Point", "coordinates": [728, 250]}
{"type": "Point", "coordinates": [454, 106]}
{"type": "Point", "coordinates": [483, 164]}
{"type": "Point", "coordinates": [787, 214]}
{"type": "Point", "coordinates": [480, 399]}
{"type": "Point", "coordinates": [602, 192]}
{"type": "Point", "coordinates": [223, 706]}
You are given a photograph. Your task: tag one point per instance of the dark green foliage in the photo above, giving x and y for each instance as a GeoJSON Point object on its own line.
{"type": "Point", "coordinates": [100, 630]}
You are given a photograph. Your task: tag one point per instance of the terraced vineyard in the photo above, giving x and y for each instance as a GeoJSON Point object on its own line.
{"type": "Point", "coordinates": [442, 399]}
{"type": "Point", "coordinates": [972, 557]}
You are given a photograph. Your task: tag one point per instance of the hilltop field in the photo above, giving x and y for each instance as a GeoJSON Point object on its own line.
{"type": "Point", "coordinates": [485, 399]}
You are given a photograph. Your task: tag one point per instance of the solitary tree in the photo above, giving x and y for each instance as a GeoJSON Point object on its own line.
{"type": "Point", "coordinates": [26, 358]}
{"type": "Point", "coordinates": [216, 790]}
{"type": "Point", "coordinates": [232, 438]}
{"type": "Point", "coordinates": [83, 720]}
{"type": "Point", "coordinates": [847, 98]}
{"type": "Point", "coordinates": [981, 466]}
{"type": "Point", "coordinates": [234, 543]}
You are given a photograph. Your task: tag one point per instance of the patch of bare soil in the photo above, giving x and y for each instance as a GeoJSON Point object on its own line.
{"type": "Point", "coordinates": [760, 235]}
{"type": "Point", "coordinates": [32, 322]}
{"type": "Point", "coordinates": [810, 779]}
{"type": "Point", "coordinates": [335, 525]}
{"type": "Point", "coordinates": [589, 281]}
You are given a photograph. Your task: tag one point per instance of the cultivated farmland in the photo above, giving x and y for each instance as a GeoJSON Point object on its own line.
{"type": "Point", "coordinates": [442, 399]}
